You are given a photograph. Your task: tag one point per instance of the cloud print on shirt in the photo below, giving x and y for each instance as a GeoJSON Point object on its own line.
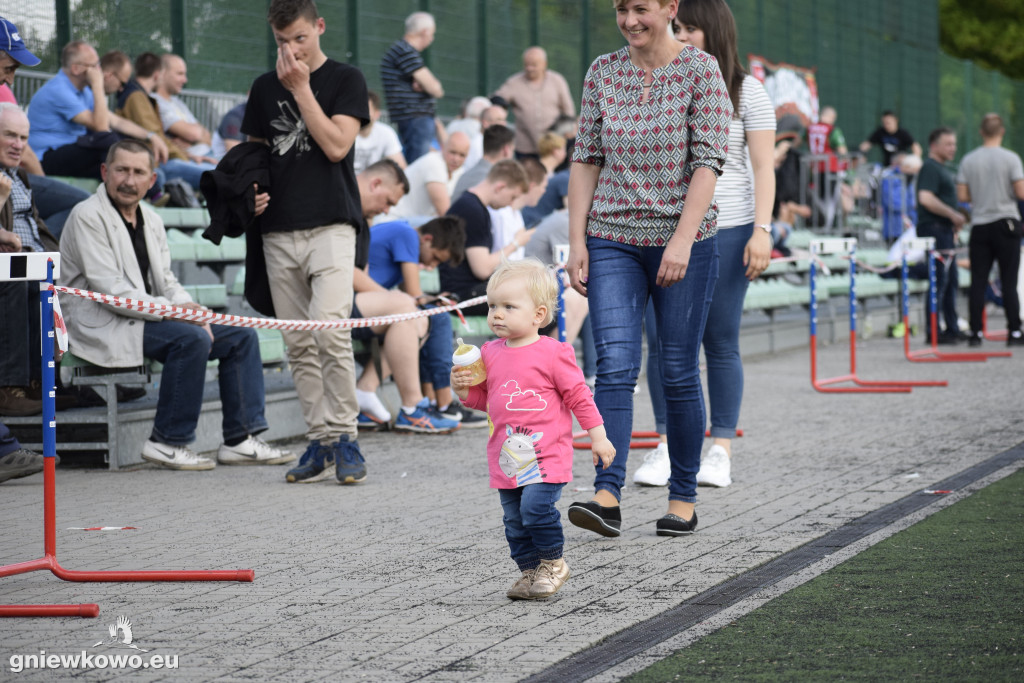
{"type": "Point", "coordinates": [526, 400]}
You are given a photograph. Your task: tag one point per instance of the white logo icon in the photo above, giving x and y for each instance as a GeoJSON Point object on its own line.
{"type": "Point", "coordinates": [120, 635]}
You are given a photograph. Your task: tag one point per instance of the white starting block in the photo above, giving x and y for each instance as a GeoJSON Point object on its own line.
{"type": "Point", "coordinates": [29, 265]}
{"type": "Point", "coordinates": [925, 244]}
{"type": "Point", "coordinates": [833, 245]}
{"type": "Point", "coordinates": [560, 254]}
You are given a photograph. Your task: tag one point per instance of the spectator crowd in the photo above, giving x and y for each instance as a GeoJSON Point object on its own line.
{"type": "Point", "coordinates": [343, 209]}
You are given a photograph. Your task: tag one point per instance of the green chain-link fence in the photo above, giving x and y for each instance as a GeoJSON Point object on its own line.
{"type": "Point", "coordinates": [870, 55]}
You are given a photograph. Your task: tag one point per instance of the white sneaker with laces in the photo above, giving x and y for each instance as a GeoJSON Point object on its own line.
{"type": "Point", "coordinates": [656, 468]}
{"type": "Point", "coordinates": [715, 468]}
{"type": "Point", "coordinates": [253, 451]}
{"type": "Point", "coordinates": [175, 457]}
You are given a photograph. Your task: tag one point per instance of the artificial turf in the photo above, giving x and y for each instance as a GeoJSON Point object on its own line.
{"type": "Point", "coordinates": [943, 599]}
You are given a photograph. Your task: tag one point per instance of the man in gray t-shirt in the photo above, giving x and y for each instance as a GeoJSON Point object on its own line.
{"type": "Point", "coordinates": [992, 179]}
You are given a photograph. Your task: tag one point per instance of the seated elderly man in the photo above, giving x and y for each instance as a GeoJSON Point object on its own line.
{"type": "Point", "coordinates": [21, 229]}
{"type": "Point", "coordinates": [115, 245]}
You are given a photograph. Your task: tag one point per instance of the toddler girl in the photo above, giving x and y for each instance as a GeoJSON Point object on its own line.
{"type": "Point", "coordinates": [532, 390]}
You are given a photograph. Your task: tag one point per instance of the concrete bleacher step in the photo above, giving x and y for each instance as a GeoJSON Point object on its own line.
{"type": "Point", "coordinates": [772, 294]}
{"type": "Point", "coordinates": [180, 217]}
{"type": "Point", "coordinates": [271, 346]}
{"type": "Point", "coordinates": [181, 245]}
{"type": "Point", "coordinates": [212, 296]}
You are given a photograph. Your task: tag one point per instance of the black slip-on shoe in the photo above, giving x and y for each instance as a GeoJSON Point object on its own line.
{"type": "Point", "coordinates": [606, 521]}
{"type": "Point", "coordinates": [674, 525]}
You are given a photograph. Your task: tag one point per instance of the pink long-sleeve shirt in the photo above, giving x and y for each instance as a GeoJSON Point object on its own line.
{"type": "Point", "coordinates": [530, 396]}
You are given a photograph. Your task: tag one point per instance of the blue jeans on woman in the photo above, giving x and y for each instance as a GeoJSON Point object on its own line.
{"type": "Point", "coordinates": [184, 350]}
{"type": "Point", "coordinates": [721, 339]}
{"type": "Point", "coordinates": [621, 279]}
{"type": "Point", "coordinates": [533, 524]}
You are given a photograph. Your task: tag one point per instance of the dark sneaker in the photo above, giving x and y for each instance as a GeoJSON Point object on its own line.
{"type": "Point", "coordinates": [351, 468]}
{"type": "Point", "coordinates": [674, 525]}
{"type": "Point", "coordinates": [22, 463]}
{"type": "Point", "coordinates": [606, 521]}
{"type": "Point", "coordinates": [470, 419]}
{"type": "Point", "coordinates": [316, 464]}
{"type": "Point", "coordinates": [424, 420]}
{"type": "Point", "coordinates": [1015, 339]}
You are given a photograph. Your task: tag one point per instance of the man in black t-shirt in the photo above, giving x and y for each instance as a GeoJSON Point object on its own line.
{"type": "Point", "coordinates": [309, 112]}
{"type": "Point", "coordinates": [502, 186]}
{"type": "Point", "coordinates": [891, 138]}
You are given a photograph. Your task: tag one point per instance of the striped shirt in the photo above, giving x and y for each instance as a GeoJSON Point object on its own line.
{"type": "Point", "coordinates": [649, 152]}
{"type": "Point", "coordinates": [396, 69]}
{"type": "Point", "coordinates": [734, 192]}
{"type": "Point", "coordinates": [25, 226]}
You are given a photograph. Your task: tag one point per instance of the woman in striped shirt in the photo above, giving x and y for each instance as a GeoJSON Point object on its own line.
{"type": "Point", "coordinates": [653, 128]}
{"type": "Point", "coordinates": [744, 194]}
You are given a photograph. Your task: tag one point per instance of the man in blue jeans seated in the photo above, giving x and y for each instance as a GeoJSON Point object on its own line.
{"type": "Point", "coordinates": [381, 185]}
{"type": "Point", "coordinates": [115, 245]}
{"type": "Point", "coordinates": [397, 252]}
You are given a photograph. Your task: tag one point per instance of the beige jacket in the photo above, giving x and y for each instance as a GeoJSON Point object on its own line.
{"type": "Point", "coordinates": [97, 255]}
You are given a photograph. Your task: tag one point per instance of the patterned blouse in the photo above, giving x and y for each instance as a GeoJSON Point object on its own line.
{"type": "Point", "coordinates": [649, 152]}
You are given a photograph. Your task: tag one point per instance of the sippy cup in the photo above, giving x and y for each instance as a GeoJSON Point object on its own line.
{"type": "Point", "coordinates": [468, 356]}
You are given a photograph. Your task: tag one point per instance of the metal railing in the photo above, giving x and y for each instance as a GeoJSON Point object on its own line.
{"type": "Point", "coordinates": [208, 106]}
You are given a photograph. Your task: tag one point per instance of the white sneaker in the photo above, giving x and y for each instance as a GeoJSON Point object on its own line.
{"type": "Point", "coordinates": [656, 468]}
{"type": "Point", "coordinates": [175, 457]}
{"type": "Point", "coordinates": [253, 451]}
{"type": "Point", "coordinates": [715, 468]}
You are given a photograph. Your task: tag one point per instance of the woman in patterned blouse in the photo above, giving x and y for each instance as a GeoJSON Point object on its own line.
{"type": "Point", "coordinates": [653, 132]}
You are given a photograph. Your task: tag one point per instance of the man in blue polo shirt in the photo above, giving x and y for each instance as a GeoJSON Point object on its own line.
{"type": "Point", "coordinates": [72, 128]}
{"type": "Point", "coordinates": [410, 87]}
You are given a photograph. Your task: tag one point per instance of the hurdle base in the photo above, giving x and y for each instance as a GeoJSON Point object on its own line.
{"type": "Point", "coordinates": [85, 610]}
{"type": "Point", "coordinates": [49, 562]}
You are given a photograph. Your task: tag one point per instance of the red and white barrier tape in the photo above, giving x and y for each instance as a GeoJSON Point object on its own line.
{"type": "Point", "coordinates": [208, 316]}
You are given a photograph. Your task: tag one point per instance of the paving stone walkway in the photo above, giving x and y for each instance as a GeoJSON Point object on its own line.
{"type": "Point", "coordinates": [403, 578]}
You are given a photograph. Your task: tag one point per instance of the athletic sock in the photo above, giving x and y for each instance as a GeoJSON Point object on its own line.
{"type": "Point", "coordinates": [371, 404]}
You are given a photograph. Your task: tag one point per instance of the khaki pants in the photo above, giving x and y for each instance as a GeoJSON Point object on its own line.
{"type": "Point", "coordinates": [310, 274]}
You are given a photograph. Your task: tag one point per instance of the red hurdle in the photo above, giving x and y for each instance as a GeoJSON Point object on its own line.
{"type": "Point", "coordinates": [49, 560]}
{"type": "Point", "coordinates": [861, 386]}
{"type": "Point", "coordinates": [931, 354]}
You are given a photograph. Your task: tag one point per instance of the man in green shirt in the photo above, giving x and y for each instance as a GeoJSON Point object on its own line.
{"type": "Point", "coordinates": [938, 217]}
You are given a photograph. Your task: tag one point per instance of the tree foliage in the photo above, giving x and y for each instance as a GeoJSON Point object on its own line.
{"type": "Point", "coordinates": [990, 32]}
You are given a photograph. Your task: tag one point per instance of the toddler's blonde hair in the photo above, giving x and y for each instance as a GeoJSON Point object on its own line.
{"type": "Point", "coordinates": [540, 283]}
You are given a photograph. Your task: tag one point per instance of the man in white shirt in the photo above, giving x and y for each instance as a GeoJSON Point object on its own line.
{"type": "Point", "coordinates": [431, 180]}
{"type": "Point", "coordinates": [377, 140]}
{"type": "Point", "coordinates": [182, 127]}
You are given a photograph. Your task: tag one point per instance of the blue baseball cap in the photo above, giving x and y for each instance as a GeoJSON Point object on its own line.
{"type": "Point", "coordinates": [12, 44]}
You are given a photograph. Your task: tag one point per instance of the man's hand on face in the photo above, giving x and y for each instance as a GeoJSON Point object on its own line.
{"type": "Point", "coordinates": [292, 73]}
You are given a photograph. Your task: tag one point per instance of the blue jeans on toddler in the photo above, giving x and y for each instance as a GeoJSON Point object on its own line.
{"type": "Point", "coordinates": [533, 524]}
{"type": "Point", "coordinates": [721, 339]}
{"type": "Point", "coordinates": [184, 350]}
{"type": "Point", "coordinates": [622, 278]}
